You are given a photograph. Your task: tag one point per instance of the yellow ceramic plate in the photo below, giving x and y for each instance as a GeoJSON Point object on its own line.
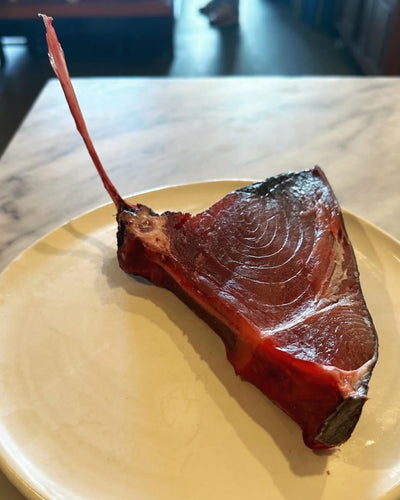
{"type": "Point", "coordinates": [111, 388]}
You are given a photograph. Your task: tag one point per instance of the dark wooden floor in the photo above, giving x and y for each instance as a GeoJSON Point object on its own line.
{"type": "Point", "coordinates": [270, 40]}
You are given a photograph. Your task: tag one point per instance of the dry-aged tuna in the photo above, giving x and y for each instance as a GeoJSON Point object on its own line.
{"type": "Point", "coordinates": [271, 269]}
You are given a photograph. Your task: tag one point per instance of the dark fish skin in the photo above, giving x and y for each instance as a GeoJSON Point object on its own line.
{"type": "Point", "coordinates": [271, 269]}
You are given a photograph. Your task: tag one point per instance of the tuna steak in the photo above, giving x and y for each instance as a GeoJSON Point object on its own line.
{"type": "Point", "coordinates": [271, 269]}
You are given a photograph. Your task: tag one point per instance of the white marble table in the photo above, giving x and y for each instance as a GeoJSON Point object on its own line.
{"type": "Point", "coordinates": [153, 132]}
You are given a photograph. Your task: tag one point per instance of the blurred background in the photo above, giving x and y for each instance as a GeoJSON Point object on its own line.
{"type": "Point", "coordinates": [169, 38]}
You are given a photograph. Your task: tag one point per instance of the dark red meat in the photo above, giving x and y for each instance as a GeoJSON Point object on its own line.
{"type": "Point", "coordinates": [271, 269]}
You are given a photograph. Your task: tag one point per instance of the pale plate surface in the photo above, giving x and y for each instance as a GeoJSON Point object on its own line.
{"type": "Point", "coordinates": [110, 388]}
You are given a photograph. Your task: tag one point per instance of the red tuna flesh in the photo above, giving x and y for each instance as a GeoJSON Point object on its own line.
{"type": "Point", "coordinates": [270, 267]}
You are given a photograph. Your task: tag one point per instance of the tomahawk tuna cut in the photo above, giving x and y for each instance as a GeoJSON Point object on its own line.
{"type": "Point", "coordinates": [271, 269]}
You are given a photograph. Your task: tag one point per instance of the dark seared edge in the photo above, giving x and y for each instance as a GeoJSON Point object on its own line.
{"type": "Point", "coordinates": [339, 426]}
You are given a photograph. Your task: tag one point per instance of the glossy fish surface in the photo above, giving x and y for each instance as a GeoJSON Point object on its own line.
{"type": "Point", "coordinates": [270, 267]}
